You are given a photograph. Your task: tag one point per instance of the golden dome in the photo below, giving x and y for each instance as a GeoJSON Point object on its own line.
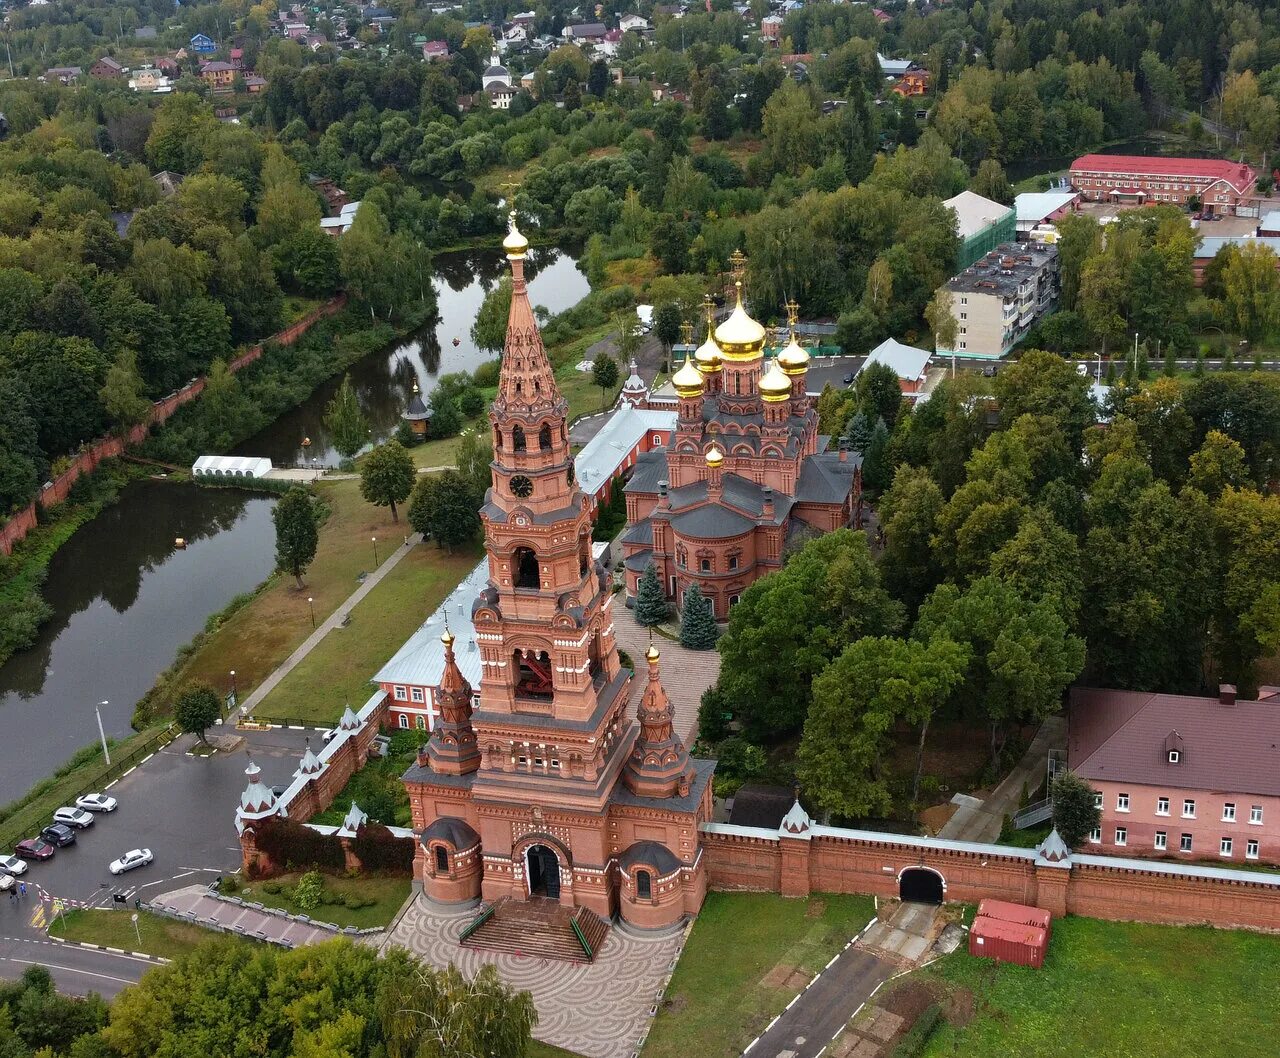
{"type": "Point", "coordinates": [688, 380]}
{"type": "Point", "coordinates": [775, 386]}
{"type": "Point", "coordinates": [651, 653]}
{"type": "Point", "coordinates": [447, 638]}
{"type": "Point", "coordinates": [515, 244]}
{"type": "Point", "coordinates": [715, 457]}
{"type": "Point", "coordinates": [708, 355]}
{"type": "Point", "coordinates": [740, 337]}
{"type": "Point", "coordinates": [794, 359]}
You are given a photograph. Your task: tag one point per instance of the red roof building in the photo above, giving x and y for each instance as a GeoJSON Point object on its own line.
{"type": "Point", "coordinates": [1222, 187]}
{"type": "Point", "coordinates": [1178, 776]}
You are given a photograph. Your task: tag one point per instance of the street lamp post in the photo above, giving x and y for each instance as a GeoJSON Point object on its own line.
{"type": "Point", "coordinates": [312, 607]}
{"type": "Point", "coordinates": [375, 552]}
{"type": "Point", "coordinates": [101, 733]}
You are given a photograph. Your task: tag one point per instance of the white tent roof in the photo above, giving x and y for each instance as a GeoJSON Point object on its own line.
{"type": "Point", "coordinates": [231, 466]}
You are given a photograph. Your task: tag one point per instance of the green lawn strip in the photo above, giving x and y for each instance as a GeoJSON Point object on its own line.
{"type": "Point", "coordinates": [1109, 988]}
{"type": "Point", "coordinates": [338, 671]}
{"type": "Point", "coordinates": [115, 929]}
{"type": "Point", "coordinates": [387, 893]}
{"type": "Point", "coordinates": [717, 1000]}
{"type": "Point", "coordinates": [537, 1049]}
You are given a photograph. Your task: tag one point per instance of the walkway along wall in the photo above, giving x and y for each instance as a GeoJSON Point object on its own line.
{"type": "Point", "coordinates": [19, 525]}
{"type": "Point", "coordinates": [814, 858]}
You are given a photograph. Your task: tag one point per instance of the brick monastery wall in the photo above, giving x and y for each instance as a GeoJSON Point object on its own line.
{"type": "Point", "coordinates": [20, 524]}
{"type": "Point", "coordinates": [849, 861]}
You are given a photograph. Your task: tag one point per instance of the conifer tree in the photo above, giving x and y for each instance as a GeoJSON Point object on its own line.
{"type": "Point", "coordinates": [698, 629]}
{"type": "Point", "coordinates": [651, 602]}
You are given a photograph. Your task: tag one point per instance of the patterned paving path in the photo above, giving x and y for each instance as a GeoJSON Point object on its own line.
{"type": "Point", "coordinates": [685, 673]}
{"type": "Point", "coordinates": [600, 1010]}
{"type": "Point", "coordinates": [207, 910]}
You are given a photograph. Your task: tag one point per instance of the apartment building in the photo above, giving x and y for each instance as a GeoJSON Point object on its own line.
{"type": "Point", "coordinates": [996, 300]}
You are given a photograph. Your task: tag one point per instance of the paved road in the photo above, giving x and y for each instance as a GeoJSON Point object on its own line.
{"type": "Point", "coordinates": [982, 822]}
{"type": "Point", "coordinates": [76, 971]}
{"type": "Point", "coordinates": [330, 623]}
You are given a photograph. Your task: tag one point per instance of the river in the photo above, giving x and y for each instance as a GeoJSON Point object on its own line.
{"type": "Point", "coordinates": [384, 381]}
{"type": "Point", "coordinates": [125, 599]}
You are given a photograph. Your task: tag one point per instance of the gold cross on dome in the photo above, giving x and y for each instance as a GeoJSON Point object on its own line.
{"type": "Point", "coordinates": [686, 332]}
{"type": "Point", "coordinates": [793, 312]}
{"type": "Point", "coordinates": [738, 262]}
{"type": "Point", "coordinates": [709, 307]}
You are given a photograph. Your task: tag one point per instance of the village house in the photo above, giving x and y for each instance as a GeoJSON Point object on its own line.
{"type": "Point", "coordinates": [149, 79]}
{"type": "Point", "coordinates": [1178, 776]}
{"type": "Point", "coordinates": [341, 224]}
{"type": "Point", "coordinates": [218, 75]}
{"type": "Point", "coordinates": [203, 45]}
{"type": "Point", "coordinates": [1039, 210]}
{"type": "Point", "coordinates": [585, 33]}
{"type": "Point", "coordinates": [634, 24]}
{"type": "Point", "coordinates": [63, 74]}
{"type": "Point", "coordinates": [106, 68]}
{"type": "Point", "coordinates": [500, 96]}
{"type": "Point", "coordinates": [910, 364]}
{"type": "Point", "coordinates": [435, 51]}
{"type": "Point", "coordinates": [1129, 180]}
{"type": "Point", "coordinates": [912, 83]}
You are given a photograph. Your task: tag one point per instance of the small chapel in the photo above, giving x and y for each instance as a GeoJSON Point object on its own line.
{"type": "Point", "coordinates": [547, 790]}
{"type": "Point", "coordinates": [746, 474]}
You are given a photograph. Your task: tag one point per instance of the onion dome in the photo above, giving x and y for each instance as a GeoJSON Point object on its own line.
{"type": "Point", "coordinates": [775, 386]}
{"type": "Point", "coordinates": [515, 244]}
{"type": "Point", "coordinates": [794, 359]}
{"type": "Point", "coordinates": [715, 457]}
{"type": "Point", "coordinates": [688, 380]}
{"type": "Point", "coordinates": [740, 337]}
{"type": "Point", "coordinates": [708, 356]}
{"type": "Point", "coordinates": [257, 801]}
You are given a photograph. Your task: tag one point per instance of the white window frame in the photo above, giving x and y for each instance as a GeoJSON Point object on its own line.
{"type": "Point", "coordinates": [1122, 836]}
{"type": "Point", "coordinates": [1229, 812]}
{"type": "Point", "coordinates": [415, 693]}
{"type": "Point", "coordinates": [401, 693]}
{"type": "Point", "coordinates": [1097, 800]}
{"type": "Point", "coordinates": [404, 722]}
{"type": "Point", "coordinates": [1251, 849]}
{"type": "Point", "coordinates": [1162, 840]}
{"type": "Point", "coordinates": [1122, 802]}
{"type": "Point", "coordinates": [1185, 842]}
{"type": "Point", "coordinates": [1095, 836]}
{"type": "Point", "coordinates": [1174, 756]}
{"type": "Point", "coordinates": [1188, 814]}
{"type": "Point", "coordinates": [1225, 846]}
{"type": "Point", "coordinates": [1162, 801]}
{"type": "Point", "coordinates": [1255, 815]}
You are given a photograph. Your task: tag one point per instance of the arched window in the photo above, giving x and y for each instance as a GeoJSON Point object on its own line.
{"type": "Point", "coordinates": [644, 886]}
{"type": "Point", "coordinates": [404, 721]}
{"type": "Point", "coordinates": [497, 438]}
{"type": "Point", "coordinates": [544, 436]}
{"type": "Point", "coordinates": [517, 438]}
{"type": "Point", "coordinates": [422, 722]}
{"type": "Point", "coordinates": [442, 859]}
{"type": "Point", "coordinates": [525, 564]}
{"type": "Point", "coordinates": [533, 675]}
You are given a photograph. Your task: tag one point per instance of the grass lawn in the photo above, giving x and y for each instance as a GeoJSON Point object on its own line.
{"type": "Point", "coordinates": [376, 787]}
{"type": "Point", "coordinates": [537, 1049]}
{"type": "Point", "coordinates": [296, 306]}
{"type": "Point", "coordinates": [338, 671]}
{"type": "Point", "coordinates": [261, 635]}
{"type": "Point", "coordinates": [1111, 989]}
{"type": "Point", "coordinates": [114, 929]}
{"type": "Point", "coordinates": [718, 999]}
{"type": "Point", "coordinates": [388, 894]}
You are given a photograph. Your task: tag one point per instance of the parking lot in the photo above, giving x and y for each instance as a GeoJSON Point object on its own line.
{"type": "Point", "coordinates": [181, 807]}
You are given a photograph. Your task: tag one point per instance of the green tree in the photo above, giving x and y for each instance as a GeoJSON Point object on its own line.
{"type": "Point", "coordinates": [651, 601]}
{"type": "Point", "coordinates": [990, 182]}
{"type": "Point", "coordinates": [698, 629]}
{"type": "Point", "coordinates": [666, 325]}
{"type": "Point", "coordinates": [1252, 291]}
{"type": "Point", "coordinates": [877, 470]}
{"type": "Point", "coordinates": [387, 476]}
{"type": "Point", "coordinates": [1220, 463]}
{"type": "Point", "coordinates": [941, 319]}
{"type": "Point", "coordinates": [122, 393]}
{"type": "Point", "coordinates": [489, 331]}
{"type": "Point", "coordinates": [909, 512]}
{"type": "Point", "coordinates": [875, 684]}
{"type": "Point", "coordinates": [604, 373]}
{"type": "Point", "coordinates": [1247, 536]}
{"type": "Point", "coordinates": [444, 508]}
{"type": "Point", "coordinates": [473, 459]}
{"type": "Point", "coordinates": [788, 626]}
{"type": "Point", "coordinates": [1040, 383]}
{"type": "Point", "coordinates": [792, 137]}
{"type": "Point", "coordinates": [296, 533]}
{"type": "Point", "coordinates": [446, 419]}
{"type": "Point", "coordinates": [879, 393]}
{"type": "Point", "coordinates": [1076, 814]}
{"type": "Point", "coordinates": [1021, 654]}
{"type": "Point", "coordinates": [344, 420]}
{"type": "Point", "coordinates": [197, 709]}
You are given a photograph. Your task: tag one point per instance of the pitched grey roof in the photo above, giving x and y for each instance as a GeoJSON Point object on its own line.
{"type": "Point", "coordinates": [639, 561]}
{"type": "Point", "coordinates": [755, 805]}
{"type": "Point", "coordinates": [650, 468]}
{"type": "Point", "coordinates": [649, 854]}
{"type": "Point", "coordinates": [639, 533]}
{"type": "Point", "coordinates": [456, 832]}
{"type": "Point", "coordinates": [824, 479]}
{"type": "Point", "coordinates": [712, 521]}
{"type": "Point", "coordinates": [689, 803]}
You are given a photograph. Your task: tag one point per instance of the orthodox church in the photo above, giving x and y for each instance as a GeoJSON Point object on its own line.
{"type": "Point", "coordinates": [746, 473]}
{"type": "Point", "coordinates": [545, 787]}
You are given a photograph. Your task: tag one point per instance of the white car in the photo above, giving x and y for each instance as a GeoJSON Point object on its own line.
{"type": "Point", "coordinates": [73, 817]}
{"type": "Point", "coordinates": [6, 882]}
{"type": "Point", "coordinates": [131, 859]}
{"type": "Point", "coordinates": [12, 865]}
{"type": "Point", "coordinates": [96, 802]}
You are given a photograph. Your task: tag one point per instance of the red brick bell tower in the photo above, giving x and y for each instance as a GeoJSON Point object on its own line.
{"type": "Point", "coordinates": [543, 794]}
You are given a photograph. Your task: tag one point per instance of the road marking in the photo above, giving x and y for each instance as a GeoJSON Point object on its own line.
{"type": "Point", "coordinates": [74, 970]}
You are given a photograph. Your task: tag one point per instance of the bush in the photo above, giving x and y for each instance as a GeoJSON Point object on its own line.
{"type": "Point", "coordinates": [471, 403]}
{"type": "Point", "coordinates": [486, 375]}
{"type": "Point", "coordinates": [271, 888]}
{"type": "Point", "coordinates": [309, 891]}
{"type": "Point", "coordinates": [288, 843]}
{"type": "Point", "coordinates": [913, 1043]}
{"type": "Point", "coordinates": [378, 850]}
{"type": "Point", "coordinates": [229, 884]}
{"type": "Point", "coordinates": [405, 435]}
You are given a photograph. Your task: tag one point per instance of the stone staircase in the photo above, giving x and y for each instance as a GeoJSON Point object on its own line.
{"type": "Point", "coordinates": [537, 928]}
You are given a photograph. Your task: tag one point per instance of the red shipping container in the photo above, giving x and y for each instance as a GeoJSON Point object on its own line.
{"type": "Point", "coordinates": [1013, 942]}
{"type": "Point", "coordinates": [1009, 912]}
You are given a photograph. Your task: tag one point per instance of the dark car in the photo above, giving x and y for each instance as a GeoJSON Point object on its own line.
{"type": "Point", "coordinates": [59, 834]}
{"type": "Point", "coordinates": [848, 378]}
{"type": "Point", "coordinates": [35, 849]}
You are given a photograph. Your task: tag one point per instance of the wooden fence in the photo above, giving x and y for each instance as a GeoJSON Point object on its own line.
{"type": "Point", "coordinates": [20, 524]}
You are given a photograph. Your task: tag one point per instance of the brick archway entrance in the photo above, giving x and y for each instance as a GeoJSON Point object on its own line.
{"type": "Point", "coordinates": [921, 885]}
{"type": "Point", "coordinates": [542, 870]}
